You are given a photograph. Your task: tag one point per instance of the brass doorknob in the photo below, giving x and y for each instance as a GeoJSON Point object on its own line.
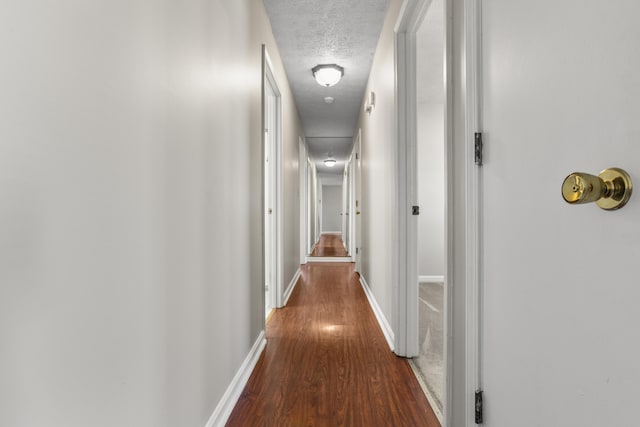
{"type": "Point", "coordinates": [610, 190]}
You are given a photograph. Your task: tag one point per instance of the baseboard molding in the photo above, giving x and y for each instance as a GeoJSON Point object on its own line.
{"type": "Point", "coordinates": [382, 320]}
{"type": "Point", "coordinates": [431, 279]}
{"type": "Point", "coordinates": [329, 259]}
{"type": "Point", "coordinates": [291, 287]}
{"type": "Point", "coordinates": [232, 394]}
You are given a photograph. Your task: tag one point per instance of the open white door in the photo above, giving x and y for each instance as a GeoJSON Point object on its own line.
{"type": "Point", "coordinates": [357, 202]}
{"type": "Point", "coordinates": [560, 89]}
{"type": "Point", "coordinates": [271, 143]}
{"type": "Point", "coordinates": [303, 172]}
{"type": "Point", "coordinates": [346, 206]}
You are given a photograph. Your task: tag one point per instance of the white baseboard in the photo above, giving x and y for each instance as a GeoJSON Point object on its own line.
{"type": "Point", "coordinates": [329, 259]}
{"type": "Point", "coordinates": [382, 320]}
{"type": "Point", "coordinates": [289, 290]}
{"type": "Point", "coordinates": [431, 279]}
{"type": "Point", "coordinates": [232, 394]}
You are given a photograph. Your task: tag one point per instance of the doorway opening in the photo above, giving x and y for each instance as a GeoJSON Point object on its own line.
{"type": "Point", "coordinates": [430, 113]}
{"type": "Point", "coordinates": [424, 222]}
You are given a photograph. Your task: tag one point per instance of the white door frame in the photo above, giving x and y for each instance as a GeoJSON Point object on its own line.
{"type": "Point", "coordinates": [473, 203]}
{"type": "Point", "coordinates": [356, 186]}
{"type": "Point", "coordinates": [405, 254]}
{"type": "Point", "coordinates": [346, 207]}
{"type": "Point", "coordinates": [303, 171]}
{"type": "Point", "coordinates": [405, 260]}
{"type": "Point", "coordinates": [269, 83]}
{"type": "Point", "coordinates": [311, 206]}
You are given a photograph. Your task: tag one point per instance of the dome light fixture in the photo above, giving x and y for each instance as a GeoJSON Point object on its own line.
{"type": "Point", "coordinates": [329, 161]}
{"type": "Point", "coordinates": [327, 74]}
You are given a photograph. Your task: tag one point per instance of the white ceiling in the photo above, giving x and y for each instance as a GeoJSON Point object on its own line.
{"type": "Point", "coordinates": [312, 32]}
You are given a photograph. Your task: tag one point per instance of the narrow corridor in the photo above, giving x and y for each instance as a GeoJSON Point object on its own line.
{"type": "Point", "coordinates": [329, 245]}
{"type": "Point", "coordinates": [327, 363]}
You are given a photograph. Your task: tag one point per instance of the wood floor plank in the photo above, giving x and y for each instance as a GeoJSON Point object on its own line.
{"type": "Point", "coordinates": [329, 245]}
{"type": "Point", "coordinates": [327, 363]}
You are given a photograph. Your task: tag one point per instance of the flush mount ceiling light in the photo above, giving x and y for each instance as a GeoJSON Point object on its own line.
{"type": "Point", "coordinates": [327, 74]}
{"type": "Point", "coordinates": [329, 161]}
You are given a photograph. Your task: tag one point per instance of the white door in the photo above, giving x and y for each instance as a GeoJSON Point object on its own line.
{"type": "Point", "coordinates": [272, 141]}
{"type": "Point", "coordinates": [270, 200]}
{"type": "Point", "coordinates": [312, 236]}
{"type": "Point", "coordinates": [357, 177]}
{"type": "Point", "coordinates": [561, 331]}
{"type": "Point", "coordinates": [331, 208]}
{"type": "Point", "coordinates": [346, 207]}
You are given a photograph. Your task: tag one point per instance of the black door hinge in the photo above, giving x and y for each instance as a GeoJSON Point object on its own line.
{"type": "Point", "coordinates": [415, 210]}
{"type": "Point", "coordinates": [478, 148]}
{"type": "Point", "coordinates": [479, 407]}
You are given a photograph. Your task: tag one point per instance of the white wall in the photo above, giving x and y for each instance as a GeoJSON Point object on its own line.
{"type": "Point", "coordinates": [431, 189]}
{"type": "Point", "coordinates": [127, 125]}
{"type": "Point", "coordinates": [292, 131]}
{"type": "Point", "coordinates": [378, 160]}
{"type": "Point", "coordinates": [331, 208]}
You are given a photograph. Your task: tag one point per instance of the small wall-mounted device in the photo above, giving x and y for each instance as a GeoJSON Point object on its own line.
{"type": "Point", "coordinates": [370, 103]}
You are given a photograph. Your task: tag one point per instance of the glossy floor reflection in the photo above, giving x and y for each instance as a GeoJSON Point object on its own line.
{"type": "Point", "coordinates": [327, 363]}
{"type": "Point", "coordinates": [330, 245]}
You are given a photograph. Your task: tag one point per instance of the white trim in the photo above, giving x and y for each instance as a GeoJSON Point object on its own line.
{"type": "Point", "coordinates": [405, 296]}
{"type": "Point", "coordinates": [232, 394]}
{"type": "Point", "coordinates": [356, 253]}
{"type": "Point", "coordinates": [430, 279]}
{"type": "Point", "coordinates": [377, 311]}
{"type": "Point", "coordinates": [448, 215]}
{"type": "Point", "coordinates": [473, 79]}
{"type": "Point", "coordinates": [329, 259]}
{"type": "Point", "coordinates": [291, 287]}
{"type": "Point", "coordinates": [331, 232]}
{"type": "Point", "coordinates": [303, 176]}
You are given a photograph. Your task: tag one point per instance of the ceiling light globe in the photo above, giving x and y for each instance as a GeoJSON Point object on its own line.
{"type": "Point", "coordinates": [327, 74]}
{"type": "Point", "coordinates": [330, 162]}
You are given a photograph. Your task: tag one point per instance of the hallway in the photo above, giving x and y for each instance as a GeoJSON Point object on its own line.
{"type": "Point", "coordinates": [329, 245]}
{"type": "Point", "coordinates": [327, 363]}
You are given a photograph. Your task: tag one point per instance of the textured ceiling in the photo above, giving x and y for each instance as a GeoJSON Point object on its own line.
{"type": "Point", "coordinates": [312, 32]}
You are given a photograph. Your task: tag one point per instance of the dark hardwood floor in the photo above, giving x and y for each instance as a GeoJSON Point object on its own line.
{"type": "Point", "coordinates": [327, 363]}
{"type": "Point", "coordinates": [330, 245]}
